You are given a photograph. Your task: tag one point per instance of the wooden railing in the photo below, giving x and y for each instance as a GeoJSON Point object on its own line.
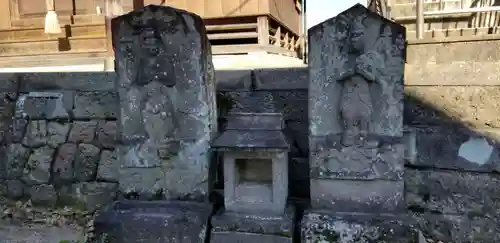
{"type": "Point", "coordinates": [466, 8]}
{"type": "Point", "coordinates": [381, 7]}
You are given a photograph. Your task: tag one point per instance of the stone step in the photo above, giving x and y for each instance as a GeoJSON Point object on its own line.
{"type": "Point", "coordinates": [38, 32]}
{"type": "Point", "coordinates": [11, 48]}
{"type": "Point", "coordinates": [54, 59]}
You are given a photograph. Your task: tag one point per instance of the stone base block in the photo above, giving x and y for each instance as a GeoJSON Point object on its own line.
{"type": "Point", "coordinates": [364, 196]}
{"type": "Point", "coordinates": [157, 221]}
{"type": "Point", "coordinates": [246, 228]}
{"type": "Point", "coordinates": [319, 226]}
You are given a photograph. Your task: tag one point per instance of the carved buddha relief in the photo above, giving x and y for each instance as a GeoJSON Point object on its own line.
{"type": "Point", "coordinates": [355, 101]}
{"type": "Point", "coordinates": [355, 109]}
{"type": "Point", "coordinates": [145, 57]}
{"type": "Point", "coordinates": [366, 67]}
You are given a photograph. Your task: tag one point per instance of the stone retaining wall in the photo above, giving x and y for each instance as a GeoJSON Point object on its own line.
{"type": "Point", "coordinates": [59, 138]}
{"type": "Point", "coordinates": [58, 134]}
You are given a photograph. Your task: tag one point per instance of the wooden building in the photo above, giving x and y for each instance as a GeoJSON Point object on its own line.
{"type": "Point", "coordinates": [234, 26]}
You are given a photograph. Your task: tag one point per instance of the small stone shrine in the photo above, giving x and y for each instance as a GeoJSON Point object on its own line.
{"type": "Point", "coordinates": [166, 84]}
{"type": "Point", "coordinates": [356, 67]}
{"type": "Point", "coordinates": [255, 161]}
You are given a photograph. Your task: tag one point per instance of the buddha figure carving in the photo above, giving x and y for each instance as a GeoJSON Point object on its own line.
{"type": "Point", "coordinates": [355, 110]}
{"type": "Point", "coordinates": [356, 102]}
{"type": "Point", "coordinates": [149, 90]}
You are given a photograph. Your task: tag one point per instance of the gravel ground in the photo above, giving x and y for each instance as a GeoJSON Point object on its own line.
{"type": "Point", "coordinates": [14, 232]}
{"type": "Point", "coordinates": [21, 222]}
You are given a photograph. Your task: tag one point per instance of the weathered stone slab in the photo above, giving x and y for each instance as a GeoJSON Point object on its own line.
{"type": "Point", "coordinates": [455, 73]}
{"type": "Point", "coordinates": [167, 99]}
{"type": "Point", "coordinates": [240, 227]}
{"type": "Point", "coordinates": [89, 195]}
{"type": "Point", "coordinates": [96, 105]}
{"type": "Point", "coordinates": [9, 82]}
{"type": "Point", "coordinates": [257, 101]}
{"type": "Point", "coordinates": [76, 81]}
{"type": "Point", "coordinates": [474, 106]}
{"type": "Point", "coordinates": [252, 139]}
{"type": "Point", "coordinates": [355, 110]}
{"type": "Point", "coordinates": [457, 228]}
{"type": "Point", "coordinates": [45, 105]}
{"type": "Point", "coordinates": [318, 226]}
{"type": "Point", "coordinates": [255, 121]}
{"type": "Point", "coordinates": [155, 222]}
{"type": "Point", "coordinates": [456, 147]}
{"type": "Point", "coordinates": [453, 192]}
{"type": "Point", "coordinates": [329, 65]}
{"type": "Point", "coordinates": [234, 80]}
{"type": "Point", "coordinates": [359, 163]}
{"type": "Point", "coordinates": [293, 104]}
{"type": "Point", "coordinates": [460, 51]}
{"type": "Point", "coordinates": [373, 196]}
{"type": "Point", "coordinates": [281, 79]}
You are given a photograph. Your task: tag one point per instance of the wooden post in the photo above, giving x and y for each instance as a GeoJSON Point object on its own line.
{"type": "Point", "coordinates": [263, 30]}
{"type": "Point", "coordinates": [138, 4]}
{"type": "Point", "coordinates": [5, 17]}
{"type": "Point", "coordinates": [112, 8]}
{"type": "Point", "coordinates": [420, 19]}
{"type": "Point", "coordinates": [277, 37]}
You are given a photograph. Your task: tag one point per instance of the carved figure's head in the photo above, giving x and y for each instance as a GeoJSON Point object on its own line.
{"type": "Point", "coordinates": [147, 48]}
{"type": "Point", "coordinates": [356, 34]}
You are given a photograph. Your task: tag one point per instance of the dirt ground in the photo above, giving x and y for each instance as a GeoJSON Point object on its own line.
{"type": "Point", "coordinates": [13, 232]}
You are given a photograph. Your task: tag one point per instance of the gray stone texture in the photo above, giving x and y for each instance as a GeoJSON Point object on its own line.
{"type": "Point", "coordinates": [331, 227]}
{"type": "Point", "coordinates": [168, 115]}
{"type": "Point", "coordinates": [160, 221]}
{"type": "Point", "coordinates": [451, 149]}
{"type": "Point", "coordinates": [356, 67]}
{"type": "Point", "coordinates": [45, 148]}
{"type": "Point", "coordinates": [454, 206]}
{"type": "Point", "coordinates": [245, 228]}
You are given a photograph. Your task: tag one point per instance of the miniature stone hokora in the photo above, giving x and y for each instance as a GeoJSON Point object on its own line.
{"type": "Point", "coordinates": [167, 97]}
{"type": "Point", "coordinates": [255, 154]}
{"type": "Point", "coordinates": [166, 85]}
{"type": "Point", "coordinates": [356, 66]}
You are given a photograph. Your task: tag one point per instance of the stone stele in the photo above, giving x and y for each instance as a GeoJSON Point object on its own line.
{"type": "Point", "coordinates": [166, 83]}
{"type": "Point", "coordinates": [356, 67]}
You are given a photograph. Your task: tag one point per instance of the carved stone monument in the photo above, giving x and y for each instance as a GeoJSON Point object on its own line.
{"type": "Point", "coordinates": [166, 84]}
{"type": "Point", "coordinates": [167, 95]}
{"type": "Point", "coordinates": [255, 155]}
{"type": "Point", "coordinates": [356, 67]}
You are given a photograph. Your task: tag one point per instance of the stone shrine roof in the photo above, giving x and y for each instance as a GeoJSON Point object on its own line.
{"type": "Point", "coordinates": [252, 131]}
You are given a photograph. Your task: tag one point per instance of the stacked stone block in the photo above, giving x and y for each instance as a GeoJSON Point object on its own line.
{"type": "Point", "coordinates": [59, 138]}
